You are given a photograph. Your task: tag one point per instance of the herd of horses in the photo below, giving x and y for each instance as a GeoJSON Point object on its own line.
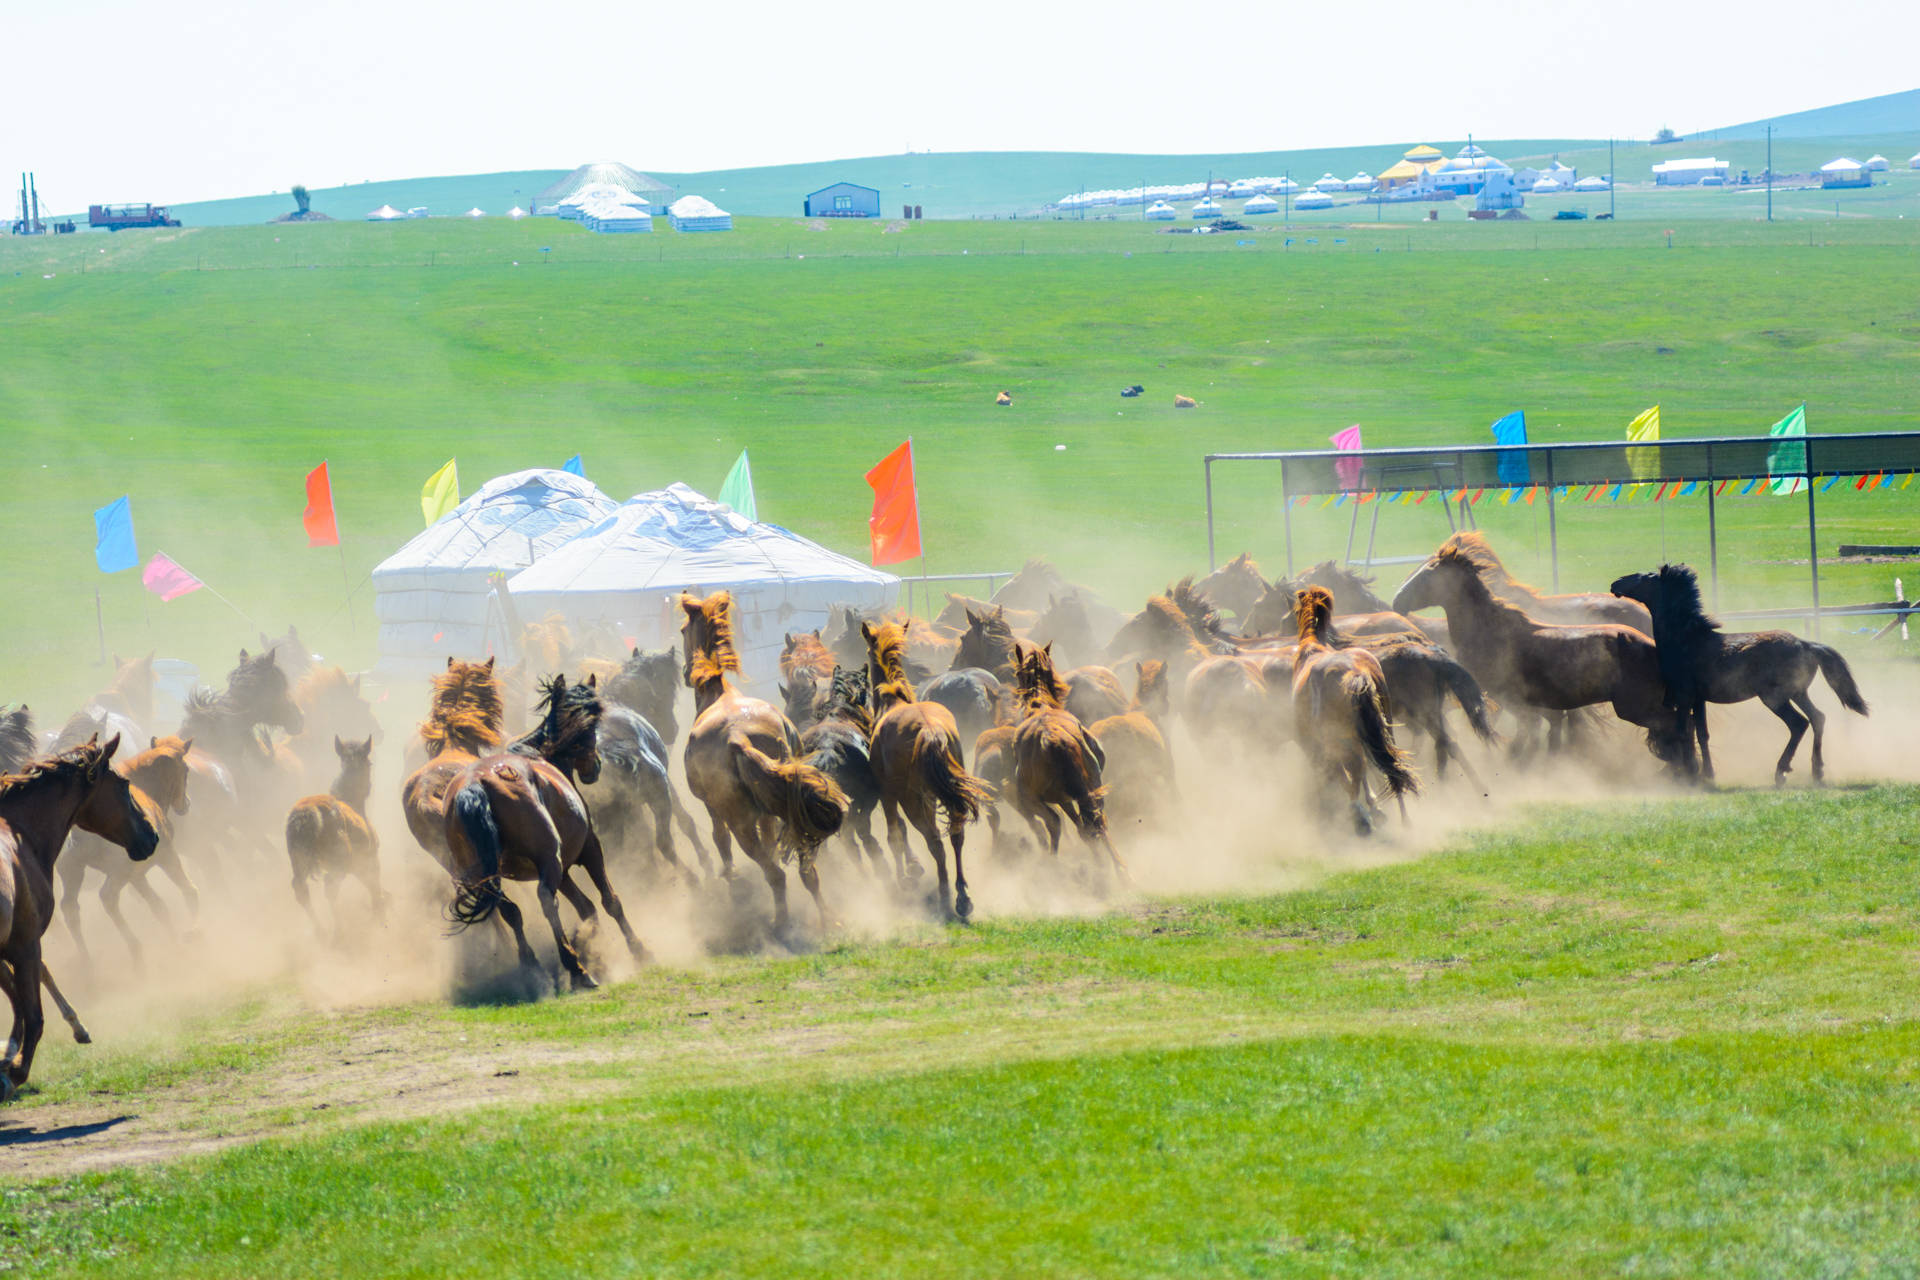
{"type": "Point", "coordinates": [562, 762]}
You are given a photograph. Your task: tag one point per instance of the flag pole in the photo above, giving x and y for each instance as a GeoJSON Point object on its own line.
{"type": "Point", "coordinates": [346, 579]}
{"type": "Point", "coordinates": [100, 621]}
{"type": "Point", "coordinates": [208, 588]}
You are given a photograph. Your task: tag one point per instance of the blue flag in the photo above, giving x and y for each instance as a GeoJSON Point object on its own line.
{"type": "Point", "coordinates": [113, 547]}
{"type": "Point", "coordinates": [575, 466]}
{"type": "Point", "coordinates": [1512, 429]}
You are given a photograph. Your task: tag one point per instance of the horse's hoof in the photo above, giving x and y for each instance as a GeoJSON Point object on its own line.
{"type": "Point", "coordinates": [963, 907]}
{"type": "Point", "coordinates": [80, 1035]}
{"type": "Point", "coordinates": [8, 1089]}
{"type": "Point", "coordinates": [583, 981]}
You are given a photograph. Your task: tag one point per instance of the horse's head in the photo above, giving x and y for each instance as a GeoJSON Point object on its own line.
{"type": "Point", "coordinates": [569, 733]}
{"type": "Point", "coordinates": [110, 806]}
{"type": "Point", "coordinates": [1272, 612]}
{"type": "Point", "coordinates": [800, 692]}
{"type": "Point", "coordinates": [987, 643]}
{"type": "Point", "coordinates": [356, 761]}
{"type": "Point", "coordinates": [1439, 580]}
{"type": "Point", "coordinates": [1644, 587]}
{"type": "Point", "coordinates": [162, 773]}
{"type": "Point", "coordinates": [1151, 690]}
{"type": "Point", "coordinates": [258, 687]}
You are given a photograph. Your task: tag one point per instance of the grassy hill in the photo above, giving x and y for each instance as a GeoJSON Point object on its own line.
{"type": "Point", "coordinates": [1888, 113]}
{"type": "Point", "coordinates": [205, 370]}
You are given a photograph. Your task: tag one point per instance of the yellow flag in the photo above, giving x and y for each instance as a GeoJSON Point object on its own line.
{"type": "Point", "coordinates": [442, 491]}
{"type": "Point", "coordinates": [1644, 463]}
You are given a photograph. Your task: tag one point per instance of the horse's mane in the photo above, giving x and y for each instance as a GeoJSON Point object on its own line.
{"type": "Point", "coordinates": [254, 676]}
{"type": "Point", "coordinates": [1243, 561]}
{"type": "Point", "coordinates": [1039, 684]}
{"type": "Point", "coordinates": [1472, 547]}
{"type": "Point", "coordinates": [56, 766]}
{"type": "Point", "coordinates": [1680, 623]}
{"type": "Point", "coordinates": [1680, 598]}
{"type": "Point", "coordinates": [888, 646]}
{"type": "Point", "coordinates": [17, 744]}
{"type": "Point", "coordinates": [1201, 616]}
{"type": "Point", "coordinates": [466, 708]}
{"type": "Point", "coordinates": [321, 681]}
{"type": "Point", "coordinates": [1313, 614]}
{"type": "Point", "coordinates": [805, 651]}
{"type": "Point", "coordinates": [1328, 569]}
{"type": "Point", "coordinates": [1165, 619]}
{"type": "Point", "coordinates": [715, 655]}
{"type": "Point", "coordinates": [570, 713]}
{"type": "Point", "coordinates": [1473, 561]}
{"type": "Point", "coordinates": [848, 698]}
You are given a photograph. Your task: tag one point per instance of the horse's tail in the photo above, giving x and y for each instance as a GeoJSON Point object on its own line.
{"type": "Point", "coordinates": [477, 899]}
{"type": "Point", "coordinates": [1840, 677]}
{"type": "Point", "coordinates": [1376, 736]}
{"type": "Point", "coordinates": [305, 827]}
{"type": "Point", "coordinates": [960, 792]}
{"type": "Point", "coordinates": [1079, 763]}
{"type": "Point", "coordinates": [807, 800]}
{"type": "Point", "coordinates": [1466, 691]}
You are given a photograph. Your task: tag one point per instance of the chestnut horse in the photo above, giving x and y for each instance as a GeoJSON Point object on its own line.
{"type": "Point", "coordinates": [1139, 768]}
{"type": "Point", "coordinates": [1702, 664]}
{"type": "Point", "coordinates": [1340, 714]}
{"type": "Point", "coordinates": [160, 774]}
{"type": "Point", "coordinates": [463, 723]}
{"type": "Point", "coordinates": [742, 764]}
{"type": "Point", "coordinates": [515, 815]}
{"type": "Point", "coordinates": [1056, 762]}
{"type": "Point", "coordinates": [329, 838]}
{"type": "Point", "coordinates": [38, 807]}
{"type": "Point", "coordinates": [916, 758]}
{"type": "Point", "coordinates": [1234, 585]}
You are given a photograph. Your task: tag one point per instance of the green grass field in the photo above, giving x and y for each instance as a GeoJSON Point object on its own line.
{"type": "Point", "coordinates": [1667, 1038]}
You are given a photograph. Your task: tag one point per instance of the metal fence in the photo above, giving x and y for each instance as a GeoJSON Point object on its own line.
{"type": "Point", "coordinates": [1558, 469]}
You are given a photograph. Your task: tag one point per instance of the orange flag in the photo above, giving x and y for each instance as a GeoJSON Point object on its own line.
{"type": "Point", "coordinates": [894, 525]}
{"type": "Point", "coordinates": [321, 530]}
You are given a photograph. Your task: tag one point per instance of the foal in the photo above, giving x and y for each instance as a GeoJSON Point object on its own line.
{"type": "Point", "coordinates": [328, 837]}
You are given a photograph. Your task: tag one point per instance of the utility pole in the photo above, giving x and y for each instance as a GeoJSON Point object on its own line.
{"type": "Point", "coordinates": [1612, 177]}
{"type": "Point", "coordinates": [1769, 173]}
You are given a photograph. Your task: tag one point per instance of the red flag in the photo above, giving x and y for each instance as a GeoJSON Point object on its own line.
{"type": "Point", "coordinates": [166, 579]}
{"type": "Point", "coordinates": [895, 523]}
{"type": "Point", "coordinates": [321, 531]}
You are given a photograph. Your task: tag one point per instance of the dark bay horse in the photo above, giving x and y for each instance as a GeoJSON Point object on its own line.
{"type": "Point", "coordinates": [1569, 609]}
{"type": "Point", "coordinates": [742, 764]}
{"type": "Point", "coordinates": [916, 759]}
{"type": "Point", "coordinates": [839, 745]}
{"type": "Point", "coordinates": [227, 725]}
{"type": "Point", "coordinates": [1543, 667]}
{"type": "Point", "coordinates": [1340, 714]}
{"type": "Point", "coordinates": [1067, 626]}
{"type": "Point", "coordinates": [650, 683]}
{"type": "Point", "coordinates": [1354, 596]}
{"type": "Point", "coordinates": [1703, 664]}
{"type": "Point", "coordinates": [39, 806]}
{"type": "Point", "coordinates": [516, 815]}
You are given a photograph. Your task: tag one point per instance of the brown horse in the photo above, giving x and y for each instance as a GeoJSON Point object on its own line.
{"type": "Point", "coordinates": [130, 692]}
{"type": "Point", "coordinates": [290, 652]}
{"type": "Point", "coordinates": [227, 725]}
{"type": "Point", "coordinates": [38, 807]}
{"type": "Point", "coordinates": [464, 720]}
{"type": "Point", "coordinates": [1139, 769]}
{"type": "Point", "coordinates": [1068, 627]}
{"type": "Point", "coordinates": [1057, 764]}
{"type": "Point", "coordinates": [803, 695]}
{"type": "Point", "coordinates": [1353, 595]}
{"type": "Point", "coordinates": [742, 764]}
{"type": "Point", "coordinates": [1274, 616]}
{"type": "Point", "coordinates": [987, 643]}
{"type": "Point", "coordinates": [1539, 667]}
{"type": "Point", "coordinates": [916, 759]}
{"type": "Point", "coordinates": [160, 775]}
{"type": "Point", "coordinates": [1572, 609]}
{"type": "Point", "coordinates": [1234, 585]}
{"type": "Point", "coordinates": [331, 706]}
{"type": "Point", "coordinates": [517, 816]}
{"type": "Point", "coordinates": [1340, 713]}
{"type": "Point", "coordinates": [1702, 664]}
{"type": "Point", "coordinates": [1162, 632]}
{"type": "Point", "coordinates": [805, 651]}
{"type": "Point", "coordinates": [955, 614]}
{"type": "Point", "coordinates": [329, 838]}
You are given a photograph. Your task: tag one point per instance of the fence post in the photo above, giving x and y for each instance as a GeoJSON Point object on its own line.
{"type": "Point", "coordinates": [1286, 514]}
{"type": "Point", "coordinates": [1813, 541]}
{"type": "Point", "coordinates": [1713, 535]}
{"type": "Point", "coordinates": [1553, 528]}
{"type": "Point", "coordinates": [1212, 563]}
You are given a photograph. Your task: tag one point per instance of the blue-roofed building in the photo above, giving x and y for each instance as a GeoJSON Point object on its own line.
{"type": "Point", "coordinates": [844, 200]}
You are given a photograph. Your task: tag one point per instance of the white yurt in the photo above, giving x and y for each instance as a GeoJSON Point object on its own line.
{"type": "Point", "coordinates": [1361, 181]}
{"type": "Point", "coordinates": [516, 212]}
{"type": "Point", "coordinates": [385, 213]}
{"type": "Point", "coordinates": [476, 212]}
{"type": "Point", "coordinates": [1876, 164]}
{"type": "Point", "coordinates": [697, 213]}
{"type": "Point", "coordinates": [1328, 182]}
{"type": "Point", "coordinates": [1259, 205]}
{"type": "Point", "coordinates": [433, 597]}
{"type": "Point", "coordinates": [1915, 162]}
{"type": "Point", "coordinates": [1593, 182]}
{"type": "Point", "coordinates": [1313, 200]}
{"type": "Point", "coordinates": [1160, 211]}
{"type": "Point", "coordinates": [626, 573]}
{"type": "Point", "coordinates": [1547, 186]}
{"type": "Point", "coordinates": [609, 216]}
{"type": "Point", "coordinates": [1208, 208]}
{"type": "Point", "coordinates": [1284, 186]}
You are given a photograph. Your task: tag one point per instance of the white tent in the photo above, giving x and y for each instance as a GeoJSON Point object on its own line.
{"type": "Point", "coordinates": [627, 572]}
{"type": "Point", "coordinates": [1328, 182]}
{"type": "Point", "coordinates": [385, 213]}
{"type": "Point", "coordinates": [1208, 208]}
{"type": "Point", "coordinates": [1160, 211]}
{"type": "Point", "coordinates": [1313, 200]}
{"type": "Point", "coordinates": [1361, 181]}
{"type": "Point", "coordinates": [1259, 205]}
{"type": "Point", "coordinates": [516, 212]}
{"type": "Point", "coordinates": [1593, 182]}
{"type": "Point", "coordinates": [697, 213]}
{"type": "Point", "coordinates": [1876, 164]}
{"type": "Point", "coordinates": [476, 212]}
{"type": "Point", "coordinates": [1547, 186]}
{"type": "Point", "coordinates": [1915, 162]}
{"type": "Point", "coordinates": [432, 595]}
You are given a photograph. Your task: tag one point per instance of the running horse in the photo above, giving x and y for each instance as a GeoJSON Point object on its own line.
{"type": "Point", "coordinates": [1703, 664]}
{"type": "Point", "coordinates": [1571, 609]}
{"type": "Point", "coordinates": [1340, 716]}
{"type": "Point", "coordinates": [516, 815]}
{"type": "Point", "coordinates": [39, 806]}
{"type": "Point", "coordinates": [1235, 585]}
{"type": "Point", "coordinates": [464, 719]}
{"type": "Point", "coordinates": [742, 760]}
{"type": "Point", "coordinates": [1057, 764]}
{"type": "Point", "coordinates": [916, 759]}
{"type": "Point", "coordinates": [160, 774]}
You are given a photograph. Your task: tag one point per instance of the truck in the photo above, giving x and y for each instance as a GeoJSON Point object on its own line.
{"type": "Point", "coordinates": [114, 217]}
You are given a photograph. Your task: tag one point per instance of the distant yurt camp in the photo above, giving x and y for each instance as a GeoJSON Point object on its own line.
{"type": "Point", "coordinates": [697, 213]}
{"type": "Point", "coordinates": [626, 574]}
{"type": "Point", "coordinates": [605, 174]}
{"type": "Point", "coordinates": [433, 595]}
{"type": "Point", "coordinates": [385, 213]}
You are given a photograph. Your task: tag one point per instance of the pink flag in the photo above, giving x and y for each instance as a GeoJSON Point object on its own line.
{"type": "Point", "coordinates": [166, 579]}
{"type": "Point", "coordinates": [1347, 472]}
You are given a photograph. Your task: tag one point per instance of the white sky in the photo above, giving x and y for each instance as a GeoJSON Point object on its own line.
{"type": "Point", "coordinates": [175, 100]}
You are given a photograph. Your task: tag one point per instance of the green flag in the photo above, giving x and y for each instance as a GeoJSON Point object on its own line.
{"type": "Point", "coordinates": [1787, 462]}
{"type": "Point", "coordinates": [737, 492]}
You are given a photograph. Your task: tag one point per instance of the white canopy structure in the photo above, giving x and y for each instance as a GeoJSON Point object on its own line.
{"type": "Point", "coordinates": [1313, 200]}
{"type": "Point", "coordinates": [1593, 182]}
{"type": "Point", "coordinates": [385, 213]}
{"type": "Point", "coordinates": [610, 215]}
{"type": "Point", "coordinates": [1915, 162]}
{"type": "Point", "coordinates": [1208, 208]}
{"type": "Point", "coordinates": [432, 596]}
{"type": "Point", "coordinates": [1842, 165]}
{"type": "Point", "coordinates": [1160, 211]}
{"type": "Point", "coordinates": [1361, 181]}
{"type": "Point", "coordinates": [1259, 205]}
{"type": "Point", "coordinates": [1547, 186]}
{"type": "Point", "coordinates": [1876, 164]}
{"type": "Point", "coordinates": [1689, 170]}
{"type": "Point", "coordinates": [1328, 182]}
{"type": "Point", "coordinates": [627, 572]}
{"type": "Point", "coordinates": [697, 213]}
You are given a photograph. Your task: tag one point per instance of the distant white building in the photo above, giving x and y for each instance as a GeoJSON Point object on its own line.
{"type": "Point", "coordinates": [1690, 171]}
{"type": "Point", "coordinates": [1876, 164]}
{"type": "Point", "coordinates": [1313, 200]}
{"type": "Point", "coordinates": [385, 213]}
{"type": "Point", "coordinates": [1259, 205]}
{"type": "Point", "coordinates": [697, 213]}
{"type": "Point", "coordinates": [1844, 173]}
{"type": "Point", "coordinates": [1160, 211]}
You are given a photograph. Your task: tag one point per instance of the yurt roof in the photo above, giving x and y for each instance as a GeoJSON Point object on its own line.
{"type": "Point", "coordinates": [508, 523]}
{"type": "Point", "coordinates": [1424, 152]}
{"type": "Point", "coordinates": [607, 172]}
